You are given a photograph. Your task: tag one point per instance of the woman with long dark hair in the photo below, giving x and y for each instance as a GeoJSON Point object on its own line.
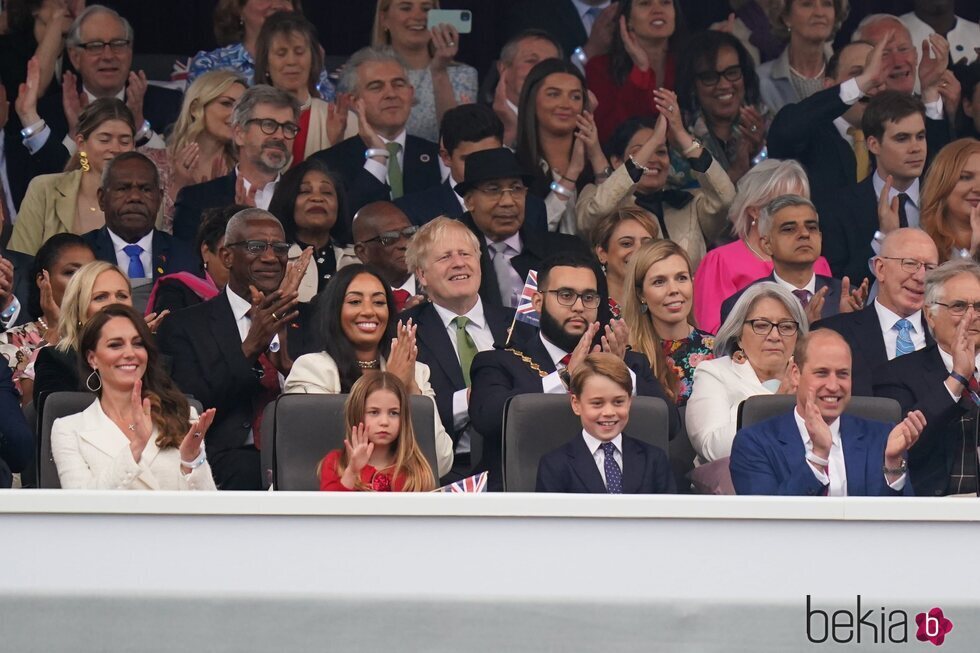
{"type": "Point", "coordinates": [139, 433]}
{"type": "Point", "coordinates": [357, 332]}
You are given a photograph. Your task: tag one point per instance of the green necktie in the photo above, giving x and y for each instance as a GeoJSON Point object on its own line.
{"type": "Point", "coordinates": [395, 171]}
{"type": "Point", "coordinates": [465, 345]}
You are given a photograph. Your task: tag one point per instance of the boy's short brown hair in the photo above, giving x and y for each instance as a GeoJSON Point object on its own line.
{"type": "Point", "coordinates": [608, 365]}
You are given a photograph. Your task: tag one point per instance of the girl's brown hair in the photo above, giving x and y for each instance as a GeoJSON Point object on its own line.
{"type": "Point", "coordinates": [410, 465]}
{"type": "Point", "coordinates": [170, 409]}
{"type": "Point", "coordinates": [94, 116]}
{"type": "Point", "coordinates": [942, 176]}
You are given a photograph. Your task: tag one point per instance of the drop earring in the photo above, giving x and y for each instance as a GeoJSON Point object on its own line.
{"type": "Point", "coordinates": [83, 161]}
{"type": "Point", "coordinates": [88, 381]}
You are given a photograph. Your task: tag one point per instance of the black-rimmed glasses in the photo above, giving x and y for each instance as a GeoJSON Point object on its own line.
{"type": "Point", "coordinates": [270, 126]}
{"type": "Point", "coordinates": [763, 327]}
{"type": "Point", "coordinates": [712, 77]}
{"type": "Point", "coordinates": [117, 46]}
{"type": "Point", "coordinates": [568, 297]}
{"type": "Point", "coordinates": [389, 238]}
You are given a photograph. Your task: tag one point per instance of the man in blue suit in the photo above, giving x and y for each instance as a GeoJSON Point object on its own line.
{"type": "Point", "coordinates": [16, 439]}
{"type": "Point", "coordinates": [816, 450]}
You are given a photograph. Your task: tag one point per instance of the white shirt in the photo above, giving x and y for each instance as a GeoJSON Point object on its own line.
{"type": "Point", "coordinates": [409, 285]}
{"type": "Point", "coordinates": [595, 448]}
{"type": "Point", "coordinates": [146, 256]}
{"type": "Point", "coordinates": [583, 12]}
{"type": "Point", "coordinates": [380, 170]}
{"type": "Point", "coordinates": [850, 93]}
{"type": "Point", "coordinates": [962, 38]}
{"type": "Point", "coordinates": [479, 330]}
{"type": "Point", "coordinates": [911, 206]}
{"type": "Point", "coordinates": [240, 309]}
{"type": "Point", "coordinates": [11, 211]}
{"type": "Point", "coordinates": [887, 319]}
{"type": "Point", "coordinates": [948, 362]}
{"type": "Point", "coordinates": [263, 196]}
{"type": "Point", "coordinates": [811, 285]}
{"type": "Point", "coordinates": [459, 198]}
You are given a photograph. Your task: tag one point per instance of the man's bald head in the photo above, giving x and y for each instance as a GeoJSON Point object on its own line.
{"type": "Point", "coordinates": [901, 56]}
{"type": "Point", "coordinates": [380, 239]}
{"type": "Point", "coordinates": [376, 218]}
{"type": "Point", "coordinates": [237, 226]}
{"type": "Point", "coordinates": [910, 242]}
{"type": "Point", "coordinates": [805, 344]}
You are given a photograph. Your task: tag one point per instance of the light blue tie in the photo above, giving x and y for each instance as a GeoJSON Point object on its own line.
{"type": "Point", "coordinates": [904, 343]}
{"type": "Point", "coordinates": [135, 264]}
{"type": "Point", "coordinates": [614, 475]}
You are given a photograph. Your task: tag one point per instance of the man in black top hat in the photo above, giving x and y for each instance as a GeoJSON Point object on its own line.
{"type": "Point", "coordinates": [494, 190]}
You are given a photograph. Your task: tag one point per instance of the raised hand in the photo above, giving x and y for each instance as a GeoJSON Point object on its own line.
{"type": "Point", "coordinates": [185, 166]}
{"type": "Point", "coordinates": [816, 427]}
{"type": "Point", "coordinates": [815, 307]}
{"type": "Point", "coordinates": [787, 385]}
{"type": "Point", "coordinates": [963, 347]}
{"type": "Point", "coordinates": [337, 118]}
{"type": "Point", "coordinates": [752, 127]}
{"type": "Point", "coordinates": [666, 103]}
{"type": "Point", "coordinates": [852, 300]}
{"type": "Point", "coordinates": [49, 309]}
{"type": "Point", "coordinates": [190, 446]}
{"type": "Point", "coordinates": [359, 450]}
{"type": "Point", "coordinates": [974, 228]}
{"type": "Point", "coordinates": [269, 315]}
{"type": "Point", "coordinates": [153, 320]}
{"type": "Point", "coordinates": [27, 93]}
{"type": "Point", "coordinates": [72, 102]}
{"type": "Point", "coordinates": [135, 91]}
{"type": "Point", "coordinates": [295, 271]}
{"type": "Point", "coordinates": [503, 111]}
{"type": "Point", "coordinates": [616, 338]}
{"type": "Point", "coordinates": [140, 427]}
{"type": "Point", "coordinates": [589, 134]}
{"type": "Point", "coordinates": [950, 90]}
{"type": "Point", "coordinates": [365, 130]}
{"type": "Point", "coordinates": [905, 434]}
{"type": "Point", "coordinates": [726, 26]}
{"type": "Point", "coordinates": [445, 44]}
{"type": "Point", "coordinates": [583, 348]}
{"type": "Point", "coordinates": [242, 196]}
{"type": "Point", "coordinates": [6, 281]}
{"type": "Point", "coordinates": [401, 359]}
{"type": "Point", "coordinates": [872, 78]}
{"type": "Point", "coordinates": [888, 219]}
{"type": "Point", "coordinates": [933, 61]}
{"type": "Point", "coordinates": [632, 46]}
{"type": "Point", "coordinates": [576, 164]}
{"type": "Point", "coordinates": [601, 35]}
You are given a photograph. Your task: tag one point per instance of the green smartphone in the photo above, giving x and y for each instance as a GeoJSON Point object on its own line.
{"type": "Point", "coordinates": [461, 19]}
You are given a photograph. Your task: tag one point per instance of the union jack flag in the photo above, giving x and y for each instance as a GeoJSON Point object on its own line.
{"type": "Point", "coordinates": [525, 307]}
{"type": "Point", "coordinates": [476, 483]}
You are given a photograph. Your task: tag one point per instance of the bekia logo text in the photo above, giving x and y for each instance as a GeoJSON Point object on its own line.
{"type": "Point", "coordinates": [876, 625]}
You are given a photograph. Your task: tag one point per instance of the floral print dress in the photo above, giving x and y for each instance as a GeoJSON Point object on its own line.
{"type": "Point", "coordinates": [686, 354]}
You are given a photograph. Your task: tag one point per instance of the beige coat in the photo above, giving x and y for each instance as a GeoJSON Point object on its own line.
{"type": "Point", "coordinates": [48, 208]}
{"type": "Point", "coordinates": [701, 221]}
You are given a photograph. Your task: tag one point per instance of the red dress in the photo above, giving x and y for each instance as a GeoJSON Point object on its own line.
{"type": "Point", "coordinates": [620, 103]}
{"type": "Point", "coordinates": [378, 481]}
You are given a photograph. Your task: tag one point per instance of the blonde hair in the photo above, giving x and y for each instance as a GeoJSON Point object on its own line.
{"type": "Point", "coordinates": [942, 176]}
{"type": "Point", "coordinates": [190, 124]}
{"type": "Point", "coordinates": [433, 232]}
{"type": "Point", "coordinates": [602, 231]}
{"type": "Point", "coordinates": [77, 297]}
{"type": "Point", "coordinates": [379, 35]}
{"type": "Point", "coordinates": [410, 464]}
{"type": "Point", "coordinates": [643, 334]}
{"type": "Point", "coordinates": [759, 185]}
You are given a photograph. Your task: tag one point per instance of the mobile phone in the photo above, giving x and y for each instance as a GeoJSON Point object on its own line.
{"type": "Point", "coordinates": [461, 19]}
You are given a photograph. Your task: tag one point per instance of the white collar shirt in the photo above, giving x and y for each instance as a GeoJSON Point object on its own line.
{"type": "Point", "coordinates": [911, 206]}
{"type": "Point", "coordinates": [122, 258]}
{"type": "Point", "coordinates": [811, 285]}
{"type": "Point", "coordinates": [263, 196]}
{"type": "Point", "coordinates": [887, 319]}
{"type": "Point", "coordinates": [836, 472]}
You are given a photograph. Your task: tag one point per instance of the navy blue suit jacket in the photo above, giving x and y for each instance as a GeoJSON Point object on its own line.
{"type": "Point", "coordinates": [769, 458]}
{"type": "Point", "coordinates": [916, 381]}
{"type": "Point", "coordinates": [16, 437]}
{"type": "Point", "coordinates": [849, 220]}
{"type": "Point", "coordinates": [426, 205]}
{"type": "Point", "coordinates": [862, 331]}
{"type": "Point", "coordinates": [831, 302]}
{"type": "Point", "coordinates": [169, 254]}
{"type": "Point", "coordinates": [571, 468]}
{"type": "Point", "coordinates": [436, 351]}
{"type": "Point", "coordinates": [192, 200]}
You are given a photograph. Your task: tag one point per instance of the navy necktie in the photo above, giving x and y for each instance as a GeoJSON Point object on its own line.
{"type": "Point", "coordinates": [614, 475]}
{"type": "Point", "coordinates": [135, 264]}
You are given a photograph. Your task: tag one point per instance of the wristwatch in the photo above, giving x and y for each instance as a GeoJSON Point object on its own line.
{"type": "Point", "coordinates": [900, 470]}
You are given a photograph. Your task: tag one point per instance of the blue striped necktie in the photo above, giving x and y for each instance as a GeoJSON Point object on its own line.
{"type": "Point", "coordinates": [904, 343]}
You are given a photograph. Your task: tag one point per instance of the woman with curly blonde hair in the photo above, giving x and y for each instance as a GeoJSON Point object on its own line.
{"type": "Point", "coordinates": [950, 211]}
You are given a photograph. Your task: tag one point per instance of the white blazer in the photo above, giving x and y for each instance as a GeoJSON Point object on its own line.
{"type": "Point", "coordinates": [720, 385]}
{"type": "Point", "coordinates": [318, 374]}
{"type": "Point", "coordinates": [91, 453]}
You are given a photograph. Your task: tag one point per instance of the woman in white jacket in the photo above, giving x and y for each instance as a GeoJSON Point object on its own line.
{"type": "Point", "coordinates": [754, 350]}
{"type": "Point", "coordinates": [137, 434]}
{"type": "Point", "coordinates": [357, 332]}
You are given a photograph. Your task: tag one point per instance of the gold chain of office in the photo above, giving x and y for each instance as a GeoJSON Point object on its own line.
{"type": "Point", "coordinates": [530, 363]}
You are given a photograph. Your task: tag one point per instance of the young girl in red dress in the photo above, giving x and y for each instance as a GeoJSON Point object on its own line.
{"type": "Point", "coordinates": [380, 453]}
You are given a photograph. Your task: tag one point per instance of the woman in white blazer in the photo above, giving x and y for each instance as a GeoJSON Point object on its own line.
{"type": "Point", "coordinates": [136, 435]}
{"type": "Point", "coordinates": [753, 350]}
{"type": "Point", "coordinates": [357, 331]}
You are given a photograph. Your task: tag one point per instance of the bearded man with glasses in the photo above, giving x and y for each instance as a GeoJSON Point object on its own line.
{"type": "Point", "coordinates": [572, 301]}
{"type": "Point", "coordinates": [494, 189]}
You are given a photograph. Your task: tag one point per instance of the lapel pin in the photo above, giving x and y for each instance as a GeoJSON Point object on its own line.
{"type": "Point", "coordinates": [424, 158]}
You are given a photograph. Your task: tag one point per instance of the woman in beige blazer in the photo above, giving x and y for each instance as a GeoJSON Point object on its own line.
{"type": "Point", "coordinates": [67, 202]}
{"type": "Point", "coordinates": [136, 435]}
{"type": "Point", "coordinates": [641, 163]}
{"type": "Point", "coordinates": [357, 332]}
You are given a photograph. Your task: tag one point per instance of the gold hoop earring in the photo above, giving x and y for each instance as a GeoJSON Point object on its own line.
{"type": "Point", "coordinates": [83, 161]}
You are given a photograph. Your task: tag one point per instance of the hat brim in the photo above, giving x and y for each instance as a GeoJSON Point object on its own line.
{"type": "Point", "coordinates": [464, 187]}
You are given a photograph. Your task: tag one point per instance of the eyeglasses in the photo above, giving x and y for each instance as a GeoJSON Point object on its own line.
{"type": "Point", "coordinates": [568, 297]}
{"type": "Point", "coordinates": [389, 238]}
{"type": "Point", "coordinates": [495, 193]}
{"type": "Point", "coordinates": [712, 77]}
{"type": "Point", "coordinates": [270, 126]}
{"type": "Point", "coordinates": [911, 265]}
{"type": "Point", "coordinates": [763, 327]}
{"type": "Point", "coordinates": [280, 249]}
{"type": "Point", "coordinates": [959, 308]}
{"type": "Point", "coordinates": [117, 46]}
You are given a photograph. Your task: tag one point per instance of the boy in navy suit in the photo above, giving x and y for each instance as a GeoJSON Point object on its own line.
{"type": "Point", "coordinates": [602, 460]}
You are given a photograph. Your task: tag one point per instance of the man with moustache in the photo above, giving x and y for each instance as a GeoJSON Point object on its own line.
{"type": "Point", "coordinates": [894, 126]}
{"type": "Point", "coordinates": [817, 449]}
{"type": "Point", "coordinates": [941, 381]}
{"type": "Point", "coordinates": [130, 197]}
{"type": "Point", "coordinates": [231, 351]}
{"type": "Point", "coordinates": [264, 123]}
{"type": "Point", "coordinates": [381, 236]}
{"type": "Point", "coordinates": [892, 325]}
{"type": "Point", "coordinates": [454, 325]}
{"type": "Point", "coordinates": [568, 300]}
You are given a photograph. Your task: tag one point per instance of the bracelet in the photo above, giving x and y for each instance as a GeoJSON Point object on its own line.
{"type": "Point", "coordinates": [695, 144]}
{"type": "Point", "coordinates": [27, 132]}
{"type": "Point", "coordinates": [145, 130]}
{"type": "Point", "coordinates": [579, 54]}
{"type": "Point", "coordinates": [814, 458]}
{"type": "Point", "coordinates": [372, 152]}
{"type": "Point", "coordinates": [638, 166]}
{"type": "Point", "coordinates": [561, 190]}
{"type": "Point", "coordinates": [605, 172]}
{"type": "Point", "coordinates": [901, 469]}
{"type": "Point", "coordinates": [962, 379]}
{"type": "Point", "coordinates": [569, 180]}
{"type": "Point", "coordinates": [197, 462]}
